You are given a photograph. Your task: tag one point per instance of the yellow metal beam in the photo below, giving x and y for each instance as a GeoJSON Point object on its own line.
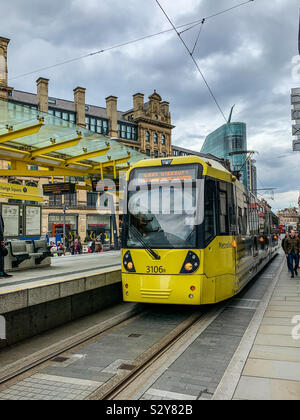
{"type": "Point", "coordinates": [111, 163]}
{"type": "Point", "coordinates": [87, 156]}
{"type": "Point", "coordinates": [55, 146]}
{"type": "Point", "coordinates": [22, 132]}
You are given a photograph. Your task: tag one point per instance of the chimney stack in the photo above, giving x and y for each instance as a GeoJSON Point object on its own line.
{"type": "Point", "coordinates": [112, 115]}
{"type": "Point", "coordinates": [42, 94]}
{"type": "Point", "coordinates": [4, 89]}
{"type": "Point", "coordinates": [79, 102]}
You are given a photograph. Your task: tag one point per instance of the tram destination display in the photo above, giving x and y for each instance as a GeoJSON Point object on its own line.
{"type": "Point", "coordinates": [59, 188]}
{"type": "Point", "coordinates": [171, 173]}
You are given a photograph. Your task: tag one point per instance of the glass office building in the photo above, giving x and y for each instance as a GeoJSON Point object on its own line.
{"type": "Point", "coordinates": [229, 138]}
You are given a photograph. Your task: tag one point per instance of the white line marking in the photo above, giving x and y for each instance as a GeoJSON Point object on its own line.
{"type": "Point", "coordinates": [171, 395]}
{"type": "Point", "coordinates": [66, 380]}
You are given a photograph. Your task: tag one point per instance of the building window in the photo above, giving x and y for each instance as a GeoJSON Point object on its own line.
{"type": "Point", "coordinates": [147, 137]}
{"type": "Point", "coordinates": [92, 198]}
{"type": "Point", "coordinates": [65, 115]}
{"type": "Point", "coordinates": [155, 138]}
{"type": "Point", "coordinates": [156, 153]}
{"type": "Point", "coordinates": [52, 101]}
{"type": "Point", "coordinates": [163, 139]}
{"type": "Point", "coordinates": [163, 154]}
{"type": "Point", "coordinates": [70, 199]}
{"type": "Point", "coordinates": [97, 125]}
{"type": "Point", "coordinates": [55, 200]}
{"type": "Point", "coordinates": [127, 131]}
{"type": "Point", "coordinates": [148, 152]}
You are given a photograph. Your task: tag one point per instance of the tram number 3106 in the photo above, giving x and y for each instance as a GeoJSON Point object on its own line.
{"type": "Point", "coordinates": [150, 269]}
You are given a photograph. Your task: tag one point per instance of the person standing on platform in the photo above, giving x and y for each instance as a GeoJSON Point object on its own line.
{"type": "Point", "coordinates": [291, 248]}
{"type": "Point", "coordinates": [3, 251]}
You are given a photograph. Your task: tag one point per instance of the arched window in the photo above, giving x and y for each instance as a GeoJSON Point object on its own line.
{"type": "Point", "coordinates": [155, 138]}
{"type": "Point", "coordinates": [31, 184]}
{"type": "Point", "coordinates": [147, 136]}
{"type": "Point", "coordinates": [163, 139]}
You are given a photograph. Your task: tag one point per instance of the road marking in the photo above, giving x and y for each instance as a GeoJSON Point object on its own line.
{"type": "Point", "coordinates": [66, 380]}
{"type": "Point", "coordinates": [170, 395]}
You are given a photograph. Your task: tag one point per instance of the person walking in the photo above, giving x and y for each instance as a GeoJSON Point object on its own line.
{"type": "Point", "coordinates": [291, 248]}
{"type": "Point", "coordinates": [3, 250]}
{"type": "Point", "coordinates": [282, 244]}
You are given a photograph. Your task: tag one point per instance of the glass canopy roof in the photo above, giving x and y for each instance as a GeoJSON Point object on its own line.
{"type": "Point", "coordinates": [53, 132]}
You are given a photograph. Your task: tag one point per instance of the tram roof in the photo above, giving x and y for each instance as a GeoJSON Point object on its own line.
{"type": "Point", "coordinates": [209, 162]}
{"type": "Point", "coordinates": [40, 139]}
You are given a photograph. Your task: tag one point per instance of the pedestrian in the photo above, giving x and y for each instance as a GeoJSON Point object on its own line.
{"type": "Point", "coordinates": [98, 244]}
{"type": "Point", "coordinates": [92, 247]}
{"type": "Point", "coordinates": [291, 248]}
{"type": "Point", "coordinates": [77, 247]}
{"type": "Point", "coordinates": [3, 250]}
{"type": "Point", "coordinates": [298, 239]}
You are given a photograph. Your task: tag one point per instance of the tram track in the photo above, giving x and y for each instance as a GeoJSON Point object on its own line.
{"type": "Point", "coordinates": [118, 384]}
{"type": "Point", "coordinates": [128, 383]}
{"type": "Point", "coordinates": [24, 367]}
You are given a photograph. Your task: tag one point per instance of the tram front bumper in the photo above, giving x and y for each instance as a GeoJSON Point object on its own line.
{"type": "Point", "coordinates": [164, 289]}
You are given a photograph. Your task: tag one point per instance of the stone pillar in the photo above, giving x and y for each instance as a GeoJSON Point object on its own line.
{"type": "Point", "coordinates": [112, 115]}
{"type": "Point", "coordinates": [42, 94]}
{"type": "Point", "coordinates": [79, 102]}
{"type": "Point", "coordinates": [4, 89]}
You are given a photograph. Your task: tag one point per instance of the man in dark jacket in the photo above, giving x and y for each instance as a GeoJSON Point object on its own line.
{"type": "Point", "coordinates": [291, 248]}
{"type": "Point", "coordinates": [2, 244]}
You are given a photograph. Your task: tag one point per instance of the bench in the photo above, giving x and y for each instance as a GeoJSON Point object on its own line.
{"type": "Point", "coordinates": [18, 250]}
{"type": "Point", "coordinates": [41, 249]}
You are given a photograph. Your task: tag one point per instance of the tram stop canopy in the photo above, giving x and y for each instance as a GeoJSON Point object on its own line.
{"type": "Point", "coordinates": [38, 144]}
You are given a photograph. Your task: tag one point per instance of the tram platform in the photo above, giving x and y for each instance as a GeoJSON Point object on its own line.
{"type": "Point", "coordinates": [266, 366]}
{"type": "Point", "coordinates": [35, 300]}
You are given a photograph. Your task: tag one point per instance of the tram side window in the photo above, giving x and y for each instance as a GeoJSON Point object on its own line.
{"type": "Point", "coordinates": [210, 230]}
{"type": "Point", "coordinates": [223, 215]}
{"type": "Point", "coordinates": [242, 220]}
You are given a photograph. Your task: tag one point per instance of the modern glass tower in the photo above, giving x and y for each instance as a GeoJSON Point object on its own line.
{"type": "Point", "coordinates": [227, 139]}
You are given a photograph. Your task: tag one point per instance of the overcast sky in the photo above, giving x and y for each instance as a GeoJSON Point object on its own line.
{"type": "Point", "coordinates": [246, 56]}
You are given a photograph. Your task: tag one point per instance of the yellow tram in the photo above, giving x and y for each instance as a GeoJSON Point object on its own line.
{"type": "Point", "coordinates": [192, 234]}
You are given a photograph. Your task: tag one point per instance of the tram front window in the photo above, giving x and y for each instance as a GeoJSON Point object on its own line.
{"type": "Point", "coordinates": [164, 217]}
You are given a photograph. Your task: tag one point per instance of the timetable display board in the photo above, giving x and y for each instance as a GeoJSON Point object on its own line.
{"type": "Point", "coordinates": [32, 220]}
{"type": "Point", "coordinates": [11, 218]}
{"type": "Point", "coordinates": [59, 188]}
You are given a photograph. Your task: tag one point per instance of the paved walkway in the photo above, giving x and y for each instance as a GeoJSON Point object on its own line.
{"type": "Point", "coordinates": [60, 268]}
{"type": "Point", "coordinates": [272, 369]}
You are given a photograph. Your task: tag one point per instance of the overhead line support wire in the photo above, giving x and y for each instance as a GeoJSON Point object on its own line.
{"type": "Point", "coordinates": [194, 24]}
{"type": "Point", "coordinates": [192, 57]}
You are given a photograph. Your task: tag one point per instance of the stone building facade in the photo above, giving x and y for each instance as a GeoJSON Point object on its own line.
{"type": "Point", "coordinates": [289, 215]}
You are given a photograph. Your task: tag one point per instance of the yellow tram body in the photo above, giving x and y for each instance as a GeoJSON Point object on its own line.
{"type": "Point", "coordinates": [226, 264]}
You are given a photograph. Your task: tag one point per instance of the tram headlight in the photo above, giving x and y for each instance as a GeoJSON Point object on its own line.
{"type": "Point", "coordinates": [191, 263]}
{"type": "Point", "coordinates": [128, 263]}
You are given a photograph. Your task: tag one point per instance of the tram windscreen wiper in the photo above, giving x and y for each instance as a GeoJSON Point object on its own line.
{"type": "Point", "coordinates": [140, 238]}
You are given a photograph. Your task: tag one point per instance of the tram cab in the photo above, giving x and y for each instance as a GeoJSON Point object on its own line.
{"type": "Point", "coordinates": [191, 234]}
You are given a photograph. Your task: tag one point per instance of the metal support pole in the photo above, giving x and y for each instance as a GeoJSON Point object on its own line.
{"type": "Point", "coordinates": [64, 226]}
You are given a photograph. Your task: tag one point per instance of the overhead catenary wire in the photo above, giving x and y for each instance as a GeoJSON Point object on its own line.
{"type": "Point", "coordinates": [190, 26]}
{"type": "Point", "coordinates": [193, 59]}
